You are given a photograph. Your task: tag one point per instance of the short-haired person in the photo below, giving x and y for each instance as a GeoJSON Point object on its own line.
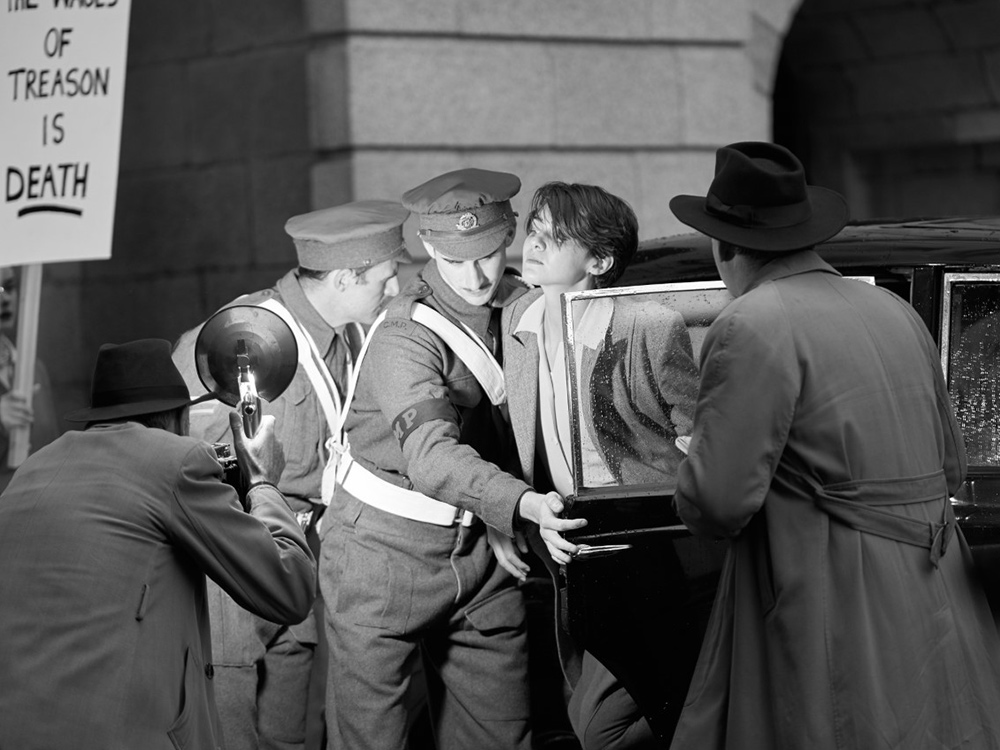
{"type": "Point", "coordinates": [106, 536]}
{"type": "Point", "coordinates": [269, 690]}
{"type": "Point", "coordinates": [406, 569]}
{"type": "Point", "coordinates": [636, 371]}
{"type": "Point", "coordinates": [825, 447]}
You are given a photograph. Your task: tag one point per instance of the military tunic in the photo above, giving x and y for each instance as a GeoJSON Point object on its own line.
{"type": "Point", "coordinates": [395, 588]}
{"type": "Point", "coordinates": [241, 641]}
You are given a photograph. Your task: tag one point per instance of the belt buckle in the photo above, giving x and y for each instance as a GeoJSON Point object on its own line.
{"type": "Point", "coordinates": [304, 517]}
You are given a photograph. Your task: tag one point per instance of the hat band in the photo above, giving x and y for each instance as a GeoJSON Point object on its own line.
{"type": "Point", "coordinates": [139, 394]}
{"type": "Point", "coordinates": [760, 217]}
{"type": "Point", "coordinates": [356, 253]}
{"type": "Point", "coordinates": [432, 234]}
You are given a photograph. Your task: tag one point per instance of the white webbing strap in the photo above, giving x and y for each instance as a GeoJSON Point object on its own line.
{"type": "Point", "coordinates": [325, 388]}
{"type": "Point", "coordinates": [469, 348]}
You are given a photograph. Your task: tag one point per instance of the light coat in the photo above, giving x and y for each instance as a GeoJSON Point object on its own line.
{"type": "Point", "coordinates": [835, 624]}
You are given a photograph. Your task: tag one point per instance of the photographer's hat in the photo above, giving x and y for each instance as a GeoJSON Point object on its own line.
{"type": "Point", "coordinates": [759, 200]}
{"type": "Point", "coordinates": [353, 235]}
{"type": "Point", "coordinates": [134, 378]}
{"type": "Point", "coordinates": [465, 214]}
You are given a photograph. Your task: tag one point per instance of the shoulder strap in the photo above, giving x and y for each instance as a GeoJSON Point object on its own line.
{"type": "Point", "coordinates": [469, 348]}
{"type": "Point", "coordinates": [315, 368]}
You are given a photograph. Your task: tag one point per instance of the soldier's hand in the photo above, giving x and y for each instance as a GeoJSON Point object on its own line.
{"type": "Point", "coordinates": [261, 458]}
{"type": "Point", "coordinates": [508, 553]}
{"type": "Point", "coordinates": [544, 510]}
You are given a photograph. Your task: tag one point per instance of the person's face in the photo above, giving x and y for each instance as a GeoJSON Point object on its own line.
{"type": "Point", "coordinates": [548, 263]}
{"type": "Point", "coordinates": [475, 281]}
{"type": "Point", "coordinates": [368, 294]}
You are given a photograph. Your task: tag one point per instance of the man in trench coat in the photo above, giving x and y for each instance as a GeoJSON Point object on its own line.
{"type": "Point", "coordinates": [825, 447]}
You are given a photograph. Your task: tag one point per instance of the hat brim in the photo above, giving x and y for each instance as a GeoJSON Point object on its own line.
{"type": "Point", "coordinates": [829, 215]}
{"type": "Point", "coordinates": [119, 411]}
{"type": "Point", "coordinates": [470, 248]}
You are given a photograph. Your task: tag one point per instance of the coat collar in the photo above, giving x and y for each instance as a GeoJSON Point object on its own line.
{"type": "Point", "coordinates": [793, 264]}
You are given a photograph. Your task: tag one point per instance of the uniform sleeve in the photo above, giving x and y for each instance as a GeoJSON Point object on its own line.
{"type": "Point", "coordinates": [260, 559]}
{"type": "Point", "coordinates": [746, 402]}
{"type": "Point", "coordinates": [406, 368]}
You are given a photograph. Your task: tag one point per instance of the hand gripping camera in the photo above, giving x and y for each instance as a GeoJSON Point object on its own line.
{"type": "Point", "coordinates": [243, 354]}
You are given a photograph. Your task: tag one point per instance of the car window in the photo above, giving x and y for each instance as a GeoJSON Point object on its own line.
{"type": "Point", "coordinates": [631, 363]}
{"type": "Point", "coordinates": [970, 357]}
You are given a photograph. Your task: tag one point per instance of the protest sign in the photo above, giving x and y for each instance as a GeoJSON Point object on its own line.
{"type": "Point", "coordinates": [60, 127]}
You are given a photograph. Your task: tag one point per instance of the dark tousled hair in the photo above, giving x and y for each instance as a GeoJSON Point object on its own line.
{"type": "Point", "coordinates": [604, 224]}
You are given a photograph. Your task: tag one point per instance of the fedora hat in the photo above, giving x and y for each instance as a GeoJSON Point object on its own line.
{"type": "Point", "coordinates": [134, 378]}
{"type": "Point", "coordinates": [759, 200]}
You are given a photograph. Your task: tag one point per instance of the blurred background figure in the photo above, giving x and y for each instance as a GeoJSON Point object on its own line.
{"type": "Point", "coordinates": [15, 411]}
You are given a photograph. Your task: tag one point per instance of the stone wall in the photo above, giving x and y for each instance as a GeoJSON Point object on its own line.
{"type": "Point", "coordinates": [241, 114]}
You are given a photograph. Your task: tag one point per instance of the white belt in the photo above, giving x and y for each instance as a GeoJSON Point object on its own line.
{"type": "Point", "coordinates": [386, 496]}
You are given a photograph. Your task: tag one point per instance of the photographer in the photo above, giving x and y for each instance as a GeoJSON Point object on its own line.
{"type": "Point", "coordinates": [106, 536]}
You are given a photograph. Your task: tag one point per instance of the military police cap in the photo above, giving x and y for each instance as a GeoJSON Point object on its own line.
{"type": "Point", "coordinates": [353, 235]}
{"type": "Point", "coordinates": [464, 214]}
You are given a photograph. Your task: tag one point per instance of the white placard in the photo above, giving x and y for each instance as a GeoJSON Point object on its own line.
{"type": "Point", "coordinates": [63, 64]}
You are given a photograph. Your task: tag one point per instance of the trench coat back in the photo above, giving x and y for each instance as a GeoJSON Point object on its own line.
{"type": "Point", "coordinates": [823, 635]}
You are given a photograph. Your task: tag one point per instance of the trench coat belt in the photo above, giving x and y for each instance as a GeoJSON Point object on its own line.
{"type": "Point", "coordinates": [867, 506]}
{"type": "Point", "coordinates": [372, 490]}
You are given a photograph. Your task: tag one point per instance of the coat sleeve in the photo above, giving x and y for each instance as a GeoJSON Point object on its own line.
{"type": "Point", "coordinates": [260, 559]}
{"type": "Point", "coordinates": [750, 382]}
{"type": "Point", "coordinates": [955, 465]}
{"type": "Point", "coordinates": [409, 368]}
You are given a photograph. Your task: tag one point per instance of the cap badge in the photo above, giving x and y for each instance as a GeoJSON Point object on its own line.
{"type": "Point", "coordinates": [466, 222]}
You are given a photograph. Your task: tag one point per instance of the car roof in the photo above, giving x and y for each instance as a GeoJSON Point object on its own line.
{"type": "Point", "coordinates": [961, 241]}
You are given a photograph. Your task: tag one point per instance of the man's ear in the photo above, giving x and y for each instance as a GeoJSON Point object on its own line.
{"type": "Point", "coordinates": [601, 266]}
{"type": "Point", "coordinates": [342, 278]}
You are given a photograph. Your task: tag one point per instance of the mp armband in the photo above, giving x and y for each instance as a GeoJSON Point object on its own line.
{"type": "Point", "coordinates": [416, 415]}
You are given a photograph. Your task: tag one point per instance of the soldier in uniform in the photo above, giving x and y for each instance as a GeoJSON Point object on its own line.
{"type": "Point", "coordinates": [406, 566]}
{"type": "Point", "coordinates": [348, 257]}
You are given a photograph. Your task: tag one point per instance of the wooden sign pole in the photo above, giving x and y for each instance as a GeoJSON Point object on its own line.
{"type": "Point", "coordinates": [30, 289]}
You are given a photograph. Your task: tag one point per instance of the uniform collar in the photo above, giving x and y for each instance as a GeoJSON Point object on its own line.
{"type": "Point", "coordinates": [477, 317]}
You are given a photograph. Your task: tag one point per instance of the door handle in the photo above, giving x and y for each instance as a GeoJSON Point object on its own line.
{"type": "Point", "coordinates": [591, 551]}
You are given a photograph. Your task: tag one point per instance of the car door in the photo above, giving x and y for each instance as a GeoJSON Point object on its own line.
{"type": "Point", "coordinates": [639, 593]}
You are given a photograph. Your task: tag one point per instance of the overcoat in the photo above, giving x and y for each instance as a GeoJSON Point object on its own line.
{"type": "Point", "coordinates": [106, 536]}
{"type": "Point", "coordinates": [825, 445]}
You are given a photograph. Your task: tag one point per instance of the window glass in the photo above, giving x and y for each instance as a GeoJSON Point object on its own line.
{"type": "Point", "coordinates": [970, 353]}
{"type": "Point", "coordinates": [631, 362]}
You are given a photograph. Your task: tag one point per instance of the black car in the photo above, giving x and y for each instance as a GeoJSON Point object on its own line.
{"type": "Point", "coordinates": [639, 596]}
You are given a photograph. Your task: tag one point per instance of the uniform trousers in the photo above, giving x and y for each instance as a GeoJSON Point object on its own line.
{"type": "Point", "coordinates": [399, 591]}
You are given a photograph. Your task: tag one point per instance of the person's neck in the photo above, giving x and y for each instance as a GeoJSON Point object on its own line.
{"type": "Point", "coordinates": [327, 308]}
{"type": "Point", "coordinates": [552, 312]}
